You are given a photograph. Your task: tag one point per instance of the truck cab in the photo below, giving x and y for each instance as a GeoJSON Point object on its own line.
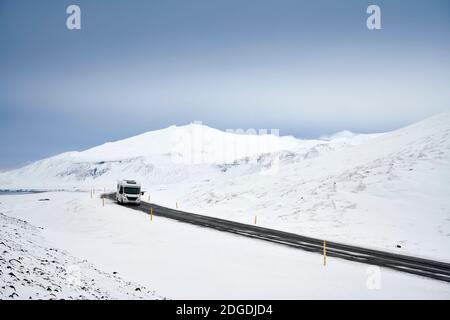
{"type": "Point", "coordinates": [128, 192]}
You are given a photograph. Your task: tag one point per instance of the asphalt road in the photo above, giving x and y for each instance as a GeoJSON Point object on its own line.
{"type": "Point", "coordinates": [419, 266]}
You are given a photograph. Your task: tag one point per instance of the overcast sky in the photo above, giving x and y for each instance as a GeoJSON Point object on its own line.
{"type": "Point", "coordinates": [305, 67]}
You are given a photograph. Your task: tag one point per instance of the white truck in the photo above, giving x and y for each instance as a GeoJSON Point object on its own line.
{"type": "Point", "coordinates": [128, 191]}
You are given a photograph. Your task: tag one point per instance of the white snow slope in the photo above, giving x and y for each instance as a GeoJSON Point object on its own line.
{"type": "Point", "coordinates": [30, 268]}
{"type": "Point", "coordinates": [387, 190]}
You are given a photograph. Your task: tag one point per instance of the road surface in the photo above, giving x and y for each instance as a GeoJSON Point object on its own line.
{"type": "Point", "coordinates": [419, 266]}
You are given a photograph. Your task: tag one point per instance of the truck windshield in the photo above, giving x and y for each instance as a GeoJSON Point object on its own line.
{"type": "Point", "coordinates": [131, 190]}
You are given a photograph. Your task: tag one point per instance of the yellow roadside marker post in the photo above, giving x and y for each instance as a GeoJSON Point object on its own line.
{"type": "Point", "coordinates": [324, 253]}
{"type": "Point", "coordinates": [255, 219]}
{"type": "Point", "coordinates": [151, 213]}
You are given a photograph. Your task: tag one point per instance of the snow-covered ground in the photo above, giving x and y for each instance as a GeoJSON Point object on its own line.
{"type": "Point", "coordinates": [177, 260]}
{"type": "Point", "coordinates": [31, 268]}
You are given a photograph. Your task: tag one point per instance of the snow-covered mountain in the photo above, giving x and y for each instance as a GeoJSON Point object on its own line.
{"type": "Point", "coordinates": [176, 154]}
{"type": "Point", "coordinates": [386, 190]}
